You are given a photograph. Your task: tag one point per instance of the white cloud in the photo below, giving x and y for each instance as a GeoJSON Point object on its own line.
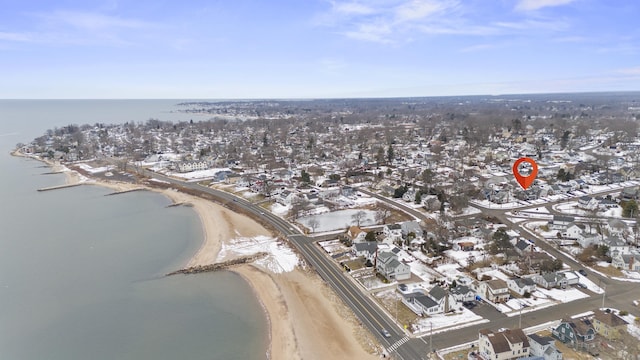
{"type": "Point", "coordinates": [13, 36]}
{"type": "Point", "coordinates": [352, 8]}
{"type": "Point", "coordinates": [531, 5]}
{"type": "Point", "coordinates": [630, 71]}
{"type": "Point", "coordinates": [420, 9]}
{"type": "Point", "coordinates": [92, 21]}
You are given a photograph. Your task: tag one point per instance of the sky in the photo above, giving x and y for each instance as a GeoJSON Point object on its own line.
{"type": "Point", "coordinates": [315, 48]}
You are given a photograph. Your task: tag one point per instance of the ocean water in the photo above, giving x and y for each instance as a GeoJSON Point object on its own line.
{"type": "Point", "coordinates": [82, 274]}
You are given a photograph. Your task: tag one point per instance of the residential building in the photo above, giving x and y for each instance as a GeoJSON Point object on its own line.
{"type": "Point", "coordinates": [366, 249]}
{"type": "Point", "coordinates": [393, 232]}
{"type": "Point", "coordinates": [356, 234]}
{"type": "Point", "coordinates": [521, 285]}
{"type": "Point", "coordinates": [608, 324]}
{"type": "Point", "coordinates": [626, 262]}
{"type": "Point", "coordinates": [551, 280]}
{"type": "Point", "coordinates": [578, 333]}
{"type": "Point", "coordinates": [544, 347]}
{"type": "Point", "coordinates": [505, 345]}
{"type": "Point", "coordinates": [391, 268]}
{"type": "Point", "coordinates": [495, 291]}
{"type": "Point", "coordinates": [462, 293]}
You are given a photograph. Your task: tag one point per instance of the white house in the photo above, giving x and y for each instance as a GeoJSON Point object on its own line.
{"type": "Point", "coordinates": [495, 291]}
{"type": "Point", "coordinates": [392, 232]}
{"type": "Point", "coordinates": [391, 268]}
{"type": "Point", "coordinates": [462, 293]}
{"type": "Point", "coordinates": [544, 347]}
{"type": "Point", "coordinates": [505, 345]}
{"type": "Point", "coordinates": [521, 285]}
{"type": "Point", "coordinates": [188, 166]}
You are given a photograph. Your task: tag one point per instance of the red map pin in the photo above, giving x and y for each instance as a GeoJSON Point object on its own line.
{"type": "Point", "coordinates": [525, 181]}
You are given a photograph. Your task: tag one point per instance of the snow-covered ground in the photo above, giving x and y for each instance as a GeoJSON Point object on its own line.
{"type": "Point", "coordinates": [280, 210]}
{"type": "Point", "coordinates": [462, 257]}
{"type": "Point", "coordinates": [445, 322]}
{"type": "Point", "coordinates": [280, 257]}
{"type": "Point", "coordinates": [94, 170]}
{"type": "Point", "coordinates": [338, 220]}
{"type": "Point", "coordinates": [199, 174]}
{"type": "Point", "coordinates": [450, 271]}
{"type": "Point", "coordinates": [563, 295]}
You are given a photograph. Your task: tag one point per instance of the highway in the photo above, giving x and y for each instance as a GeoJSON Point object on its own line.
{"type": "Point", "coordinates": [618, 295]}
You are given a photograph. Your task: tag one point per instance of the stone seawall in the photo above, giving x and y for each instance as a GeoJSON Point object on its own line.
{"type": "Point", "coordinates": [218, 266]}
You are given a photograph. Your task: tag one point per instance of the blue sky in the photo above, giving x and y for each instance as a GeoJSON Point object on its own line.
{"type": "Point", "coordinates": [316, 48]}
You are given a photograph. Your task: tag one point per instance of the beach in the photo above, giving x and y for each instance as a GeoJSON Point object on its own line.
{"type": "Point", "coordinates": [306, 318]}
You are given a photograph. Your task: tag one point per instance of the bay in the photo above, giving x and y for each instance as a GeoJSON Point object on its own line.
{"type": "Point", "coordinates": [82, 274]}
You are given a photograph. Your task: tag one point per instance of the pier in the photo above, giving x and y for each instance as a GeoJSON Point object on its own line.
{"type": "Point", "coordinates": [58, 187]}
{"type": "Point", "coordinates": [125, 191]}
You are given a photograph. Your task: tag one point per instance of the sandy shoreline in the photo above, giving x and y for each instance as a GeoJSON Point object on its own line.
{"type": "Point", "coordinates": [305, 317]}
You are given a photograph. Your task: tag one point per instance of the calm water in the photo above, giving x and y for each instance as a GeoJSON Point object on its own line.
{"type": "Point", "coordinates": [81, 273]}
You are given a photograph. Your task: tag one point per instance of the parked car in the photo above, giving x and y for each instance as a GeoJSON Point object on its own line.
{"type": "Point", "coordinates": [581, 285]}
{"type": "Point", "coordinates": [582, 272]}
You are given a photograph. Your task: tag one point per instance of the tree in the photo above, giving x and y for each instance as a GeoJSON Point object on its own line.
{"type": "Point", "coordinates": [382, 215]}
{"type": "Point", "coordinates": [371, 236]}
{"type": "Point", "coordinates": [399, 191]}
{"type": "Point", "coordinates": [500, 241]}
{"type": "Point", "coordinates": [418, 197]}
{"type": "Point", "coordinates": [305, 177]}
{"type": "Point", "coordinates": [358, 217]}
{"type": "Point", "coordinates": [551, 265]}
{"type": "Point", "coordinates": [313, 224]}
{"type": "Point", "coordinates": [630, 208]}
{"type": "Point", "coordinates": [390, 154]}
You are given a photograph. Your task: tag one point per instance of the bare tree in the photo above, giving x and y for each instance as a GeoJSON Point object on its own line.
{"type": "Point", "coordinates": [358, 217]}
{"type": "Point", "coordinates": [313, 224]}
{"type": "Point", "coordinates": [382, 215]}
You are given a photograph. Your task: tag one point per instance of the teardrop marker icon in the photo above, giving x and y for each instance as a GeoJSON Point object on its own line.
{"type": "Point", "coordinates": [525, 181]}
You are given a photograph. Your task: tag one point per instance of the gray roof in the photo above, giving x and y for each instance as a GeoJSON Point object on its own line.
{"type": "Point", "coordinates": [460, 289]}
{"type": "Point", "coordinates": [437, 292]}
{"type": "Point", "coordinates": [542, 340]}
{"type": "Point", "coordinates": [369, 246]}
{"type": "Point", "coordinates": [425, 301]}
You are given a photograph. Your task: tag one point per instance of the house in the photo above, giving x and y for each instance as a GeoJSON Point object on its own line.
{"type": "Point", "coordinates": [393, 232]}
{"type": "Point", "coordinates": [505, 345]}
{"type": "Point", "coordinates": [606, 204]}
{"type": "Point", "coordinates": [626, 261]}
{"type": "Point", "coordinates": [285, 197]}
{"type": "Point", "coordinates": [189, 166]}
{"type": "Point", "coordinates": [356, 234]}
{"type": "Point", "coordinates": [551, 280]}
{"type": "Point", "coordinates": [442, 297]}
{"type": "Point", "coordinates": [574, 232]}
{"type": "Point", "coordinates": [560, 222]}
{"type": "Point", "coordinates": [587, 203]}
{"type": "Point", "coordinates": [366, 249]}
{"type": "Point", "coordinates": [588, 239]}
{"type": "Point", "coordinates": [521, 285]}
{"type": "Point", "coordinates": [616, 246]}
{"type": "Point", "coordinates": [463, 246]}
{"type": "Point", "coordinates": [409, 195]}
{"type": "Point", "coordinates": [523, 246]}
{"type": "Point", "coordinates": [408, 227]}
{"type": "Point", "coordinates": [495, 291]}
{"type": "Point", "coordinates": [616, 227]}
{"type": "Point", "coordinates": [544, 346]}
{"type": "Point", "coordinates": [462, 293]}
{"type": "Point", "coordinates": [608, 324]}
{"type": "Point", "coordinates": [420, 303]}
{"type": "Point", "coordinates": [391, 268]}
{"type": "Point", "coordinates": [579, 333]}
